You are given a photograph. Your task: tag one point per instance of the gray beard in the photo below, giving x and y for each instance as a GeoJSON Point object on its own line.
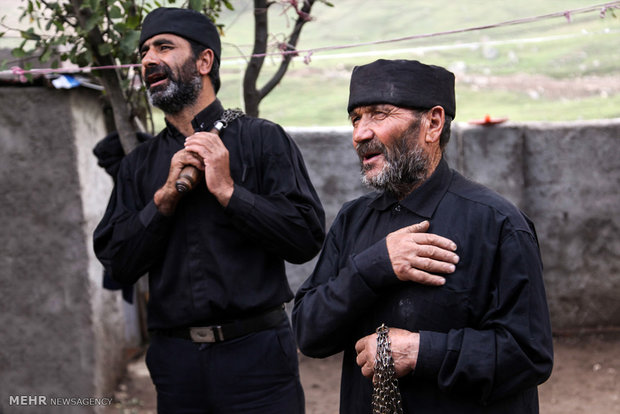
{"type": "Point", "coordinates": [405, 167]}
{"type": "Point", "coordinates": [176, 96]}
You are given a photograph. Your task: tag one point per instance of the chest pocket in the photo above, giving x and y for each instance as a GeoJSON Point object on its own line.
{"type": "Point", "coordinates": [241, 153]}
{"type": "Point", "coordinates": [445, 309]}
{"type": "Point", "coordinates": [419, 307]}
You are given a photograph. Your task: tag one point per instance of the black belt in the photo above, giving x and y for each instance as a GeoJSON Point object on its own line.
{"type": "Point", "coordinates": [227, 331]}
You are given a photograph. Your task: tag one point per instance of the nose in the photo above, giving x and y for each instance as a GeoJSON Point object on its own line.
{"type": "Point", "coordinates": [362, 131]}
{"type": "Point", "coordinates": [149, 58]}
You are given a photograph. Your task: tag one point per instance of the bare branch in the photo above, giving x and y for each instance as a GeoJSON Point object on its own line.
{"type": "Point", "coordinates": [250, 92]}
{"type": "Point", "coordinates": [302, 19]}
{"type": "Point", "coordinates": [59, 15]}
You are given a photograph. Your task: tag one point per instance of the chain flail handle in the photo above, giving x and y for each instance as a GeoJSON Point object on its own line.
{"type": "Point", "coordinates": [230, 115]}
{"type": "Point", "coordinates": [385, 396]}
{"type": "Point", "coordinates": [190, 175]}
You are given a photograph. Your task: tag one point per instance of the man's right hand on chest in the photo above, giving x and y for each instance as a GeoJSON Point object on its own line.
{"type": "Point", "coordinates": [416, 254]}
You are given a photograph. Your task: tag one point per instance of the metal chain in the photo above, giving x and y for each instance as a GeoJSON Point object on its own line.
{"type": "Point", "coordinates": [230, 115]}
{"type": "Point", "coordinates": [385, 396]}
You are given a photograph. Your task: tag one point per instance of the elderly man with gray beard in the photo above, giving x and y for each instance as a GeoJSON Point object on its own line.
{"type": "Point", "coordinates": [221, 341]}
{"type": "Point", "coordinates": [433, 280]}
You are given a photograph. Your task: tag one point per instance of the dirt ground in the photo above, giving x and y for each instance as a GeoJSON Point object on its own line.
{"type": "Point", "coordinates": [585, 379]}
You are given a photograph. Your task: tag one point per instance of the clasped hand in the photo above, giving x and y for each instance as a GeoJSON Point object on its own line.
{"type": "Point", "coordinates": [213, 158]}
{"type": "Point", "coordinates": [404, 344]}
{"type": "Point", "coordinates": [205, 151]}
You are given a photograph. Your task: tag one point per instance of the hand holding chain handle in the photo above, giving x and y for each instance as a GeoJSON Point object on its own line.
{"type": "Point", "coordinates": [190, 175]}
{"type": "Point", "coordinates": [386, 396]}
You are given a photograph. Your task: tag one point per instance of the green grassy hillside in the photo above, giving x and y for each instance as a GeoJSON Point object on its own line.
{"type": "Point", "coordinates": [551, 70]}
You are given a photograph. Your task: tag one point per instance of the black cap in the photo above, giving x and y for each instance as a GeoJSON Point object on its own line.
{"type": "Point", "coordinates": [404, 83]}
{"type": "Point", "coordinates": [186, 23]}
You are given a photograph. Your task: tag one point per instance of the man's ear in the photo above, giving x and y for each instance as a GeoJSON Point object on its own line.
{"type": "Point", "coordinates": [204, 63]}
{"type": "Point", "coordinates": [436, 119]}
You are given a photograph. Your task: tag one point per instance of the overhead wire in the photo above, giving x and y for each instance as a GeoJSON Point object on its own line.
{"type": "Point", "coordinates": [602, 8]}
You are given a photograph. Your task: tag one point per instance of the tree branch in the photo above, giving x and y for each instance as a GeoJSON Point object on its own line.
{"type": "Point", "coordinates": [250, 92]}
{"type": "Point", "coordinates": [111, 83]}
{"type": "Point", "coordinates": [57, 14]}
{"type": "Point", "coordinates": [302, 19]}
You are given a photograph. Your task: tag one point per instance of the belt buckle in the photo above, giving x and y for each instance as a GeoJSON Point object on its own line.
{"type": "Point", "coordinates": [208, 334]}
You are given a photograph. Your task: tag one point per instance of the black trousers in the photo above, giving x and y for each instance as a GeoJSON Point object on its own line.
{"type": "Point", "coordinates": [255, 374]}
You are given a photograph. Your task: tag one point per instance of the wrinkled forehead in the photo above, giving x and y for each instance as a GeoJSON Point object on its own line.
{"type": "Point", "coordinates": [164, 38]}
{"type": "Point", "coordinates": [378, 107]}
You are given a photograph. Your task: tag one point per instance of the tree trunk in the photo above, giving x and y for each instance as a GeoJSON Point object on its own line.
{"type": "Point", "coordinates": [250, 91]}
{"type": "Point", "coordinates": [251, 94]}
{"type": "Point", "coordinates": [111, 83]}
{"type": "Point", "coordinates": [291, 46]}
{"type": "Point", "coordinates": [122, 114]}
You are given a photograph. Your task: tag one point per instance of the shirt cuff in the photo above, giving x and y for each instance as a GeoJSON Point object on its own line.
{"type": "Point", "coordinates": [374, 265]}
{"type": "Point", "coordinates": [432, 352]}
{"type": "Point", "coordinates": [151, 218]}
{"type": "Point", "coordinates": [241, 202]}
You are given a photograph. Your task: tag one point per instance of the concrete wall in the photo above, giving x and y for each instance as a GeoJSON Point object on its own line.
{"type": "Point", "coordinates": [564, 176]}
{"type": "Point", "coordinates": [62, 334]}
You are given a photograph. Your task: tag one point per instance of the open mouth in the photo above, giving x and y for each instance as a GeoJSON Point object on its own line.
{"type": "Point", "coordinates": [370, 152]}
{"type": "Point", "coordinates": [369, 156]}
{"type": "Point", "coordinates": [155, 79]}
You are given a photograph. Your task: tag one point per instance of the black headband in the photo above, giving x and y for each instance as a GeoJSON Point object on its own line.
{"type": "Point", "coordinates": [186, 23]}
{"type": "Point", "coordinates": [405, 83]}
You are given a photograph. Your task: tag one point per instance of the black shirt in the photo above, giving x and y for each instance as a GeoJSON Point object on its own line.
{"type": "Point", "coordinates": [206, 263]}
{"type": "Point", "coordinates": [485, 336]}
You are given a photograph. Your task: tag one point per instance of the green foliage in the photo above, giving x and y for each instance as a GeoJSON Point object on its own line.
{"type": "Point", "coordinates": [70, 22]}
{"type": "Point", "coordinates": [96, 33]}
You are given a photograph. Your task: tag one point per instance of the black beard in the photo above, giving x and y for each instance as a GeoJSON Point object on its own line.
{"type": "Point", "coordinates": [182, 90]}
{"type": "Point", "coordinates": [405, 167]}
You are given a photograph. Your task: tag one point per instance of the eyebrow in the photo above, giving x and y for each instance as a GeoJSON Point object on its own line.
{"type": "Point", "coordinates": [156, 42]}
{"type": "Point", "coordinates": [369, 108]}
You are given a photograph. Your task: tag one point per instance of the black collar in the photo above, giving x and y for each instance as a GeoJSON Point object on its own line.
{"type": "Point", "coordinates": [205, 119]}
{"type": "Point", "coordinates": [423, 200]}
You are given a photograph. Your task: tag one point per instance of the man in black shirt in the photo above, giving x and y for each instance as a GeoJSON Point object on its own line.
{"type": "Point", "coordinates": [221, 341]}
{"type": "Point", "coordinates": [449, 266]}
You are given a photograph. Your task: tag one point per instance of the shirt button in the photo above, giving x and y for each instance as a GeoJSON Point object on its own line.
{"type": "Point", "coordinates": [397, 208]}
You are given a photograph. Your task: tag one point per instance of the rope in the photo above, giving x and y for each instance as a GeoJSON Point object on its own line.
{"type": "Point", "coordinates": [567, 14]}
